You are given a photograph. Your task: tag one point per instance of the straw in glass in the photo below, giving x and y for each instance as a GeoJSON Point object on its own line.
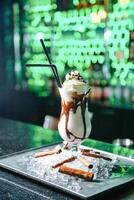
{"type": "Point", "coordinates": [53, 67]}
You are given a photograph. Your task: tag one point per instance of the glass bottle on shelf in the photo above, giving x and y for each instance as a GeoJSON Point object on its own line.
{"type": "Point", "coordinates": [106, 89]}
{"type": "Point", "coordinates": [92, 93]}
{"type": "Point", "coordinates": [98, 90]}
{"type": "Point", "coordinates": [126, 91]}
{"type": "Point", "coordinates": [118, 91]}
{"type": "Point", "coordinates": [131, 87]}
{"type": "Point", "coordinates": [112, 97]}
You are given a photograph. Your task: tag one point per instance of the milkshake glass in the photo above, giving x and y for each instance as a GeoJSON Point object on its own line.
{"type": "Point", "coordinates": [74, 124]}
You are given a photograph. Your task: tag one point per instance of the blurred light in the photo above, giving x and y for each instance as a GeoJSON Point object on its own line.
{"type": "Point", "coordinates": [77, 35]}
{"type": "Point", "coordinates": [92, 1]}
{"type": "Point", "coordinates": [124, 2]}
{"type": "Point", "coordinates": [102, 14]}
{"type": "Point", "coordinates": [107, 34]}
{"type": "Point", "coordinates": [95, 18]}
{"type": "Point", "coordinates": [47, 17]}
{"type": "Point", "coordinates": [73, 36]}
{"type": "Point", "coordinates": [81, 28]}
{"type": "Point", "coordinates": [119, 55]}
{"type": "Point", "coordinates": [75, 2]}
{"type": "Point", "coordinates": [54, 6]}
{"type": "Point", "coordinates": [40, 35]}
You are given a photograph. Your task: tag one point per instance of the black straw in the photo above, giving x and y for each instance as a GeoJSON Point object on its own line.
{"type": "Point", "coordinates": [53, 67]}
{"type": "Point", "coordinates": [39, 65]}
{"type": "Point", "coordinates": [45, 50]}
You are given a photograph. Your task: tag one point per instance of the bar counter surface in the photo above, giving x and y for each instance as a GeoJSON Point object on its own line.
{"type": "Point", "coordinates": [17, 136]}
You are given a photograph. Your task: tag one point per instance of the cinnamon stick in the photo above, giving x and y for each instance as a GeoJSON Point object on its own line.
{"type": "Point", "coordinates": [47, 153]}
{"type": "Point", "coordinates": [90, 150]}
{"type": "Point", "coordinates": [85, 150]}
{"type": "Point", "coordinates": [95, 155]}
{"type": "Point", "coordinates": [70, 159]}
{"type": "Point", "coordinates": [76, 172]}
{"type": "Point", "coordinates": [85, 162]}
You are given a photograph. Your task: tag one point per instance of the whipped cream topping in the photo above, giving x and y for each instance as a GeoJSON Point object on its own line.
{"type": "Point", "coordinates": [74, 124]}
{"type": "Point", "coordinates": [74, 82]}
{"type": "Point", "coordinates": [74, 75]}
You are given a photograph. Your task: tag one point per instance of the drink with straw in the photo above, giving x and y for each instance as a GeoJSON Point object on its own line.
{"type": "Point", "coordinates": [74, 124]}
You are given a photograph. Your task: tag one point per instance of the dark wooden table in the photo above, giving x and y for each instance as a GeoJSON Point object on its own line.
{"type": "Point", "coordinates": [16, 136]}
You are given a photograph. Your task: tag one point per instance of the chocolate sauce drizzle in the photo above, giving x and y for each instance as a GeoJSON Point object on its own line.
{"type": "Point", "coordinates": [83, 108]}
{"type": "Point", "coordinates": [79, 100]}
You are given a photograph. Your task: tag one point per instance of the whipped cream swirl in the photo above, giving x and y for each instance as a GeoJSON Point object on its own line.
{"type": "Point", "coordinates": [74, 75]}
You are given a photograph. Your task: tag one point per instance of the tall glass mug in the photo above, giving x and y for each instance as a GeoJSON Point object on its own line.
{"type": "Point", "coordinates": [74, 124]}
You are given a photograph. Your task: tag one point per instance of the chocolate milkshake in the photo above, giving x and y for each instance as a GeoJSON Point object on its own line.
{"type": "Point", "coordinates": [74, 124]}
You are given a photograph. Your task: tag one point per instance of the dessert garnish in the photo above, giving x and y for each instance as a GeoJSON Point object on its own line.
{"type": "Point", "coordinates": [47, 153]}
{"type": "Point", "coordinates": [85, 162]}
{"type": "Point", "coordinates": [77, 155]}
{"type": "Point", "coordinates": [87, 153]}
{"type": "Point", "coordinates": [70, 159]}
{"type": "Point", "coordinates": [74, 75]}
{"type": "Point", "coordinates": [76, 172]}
